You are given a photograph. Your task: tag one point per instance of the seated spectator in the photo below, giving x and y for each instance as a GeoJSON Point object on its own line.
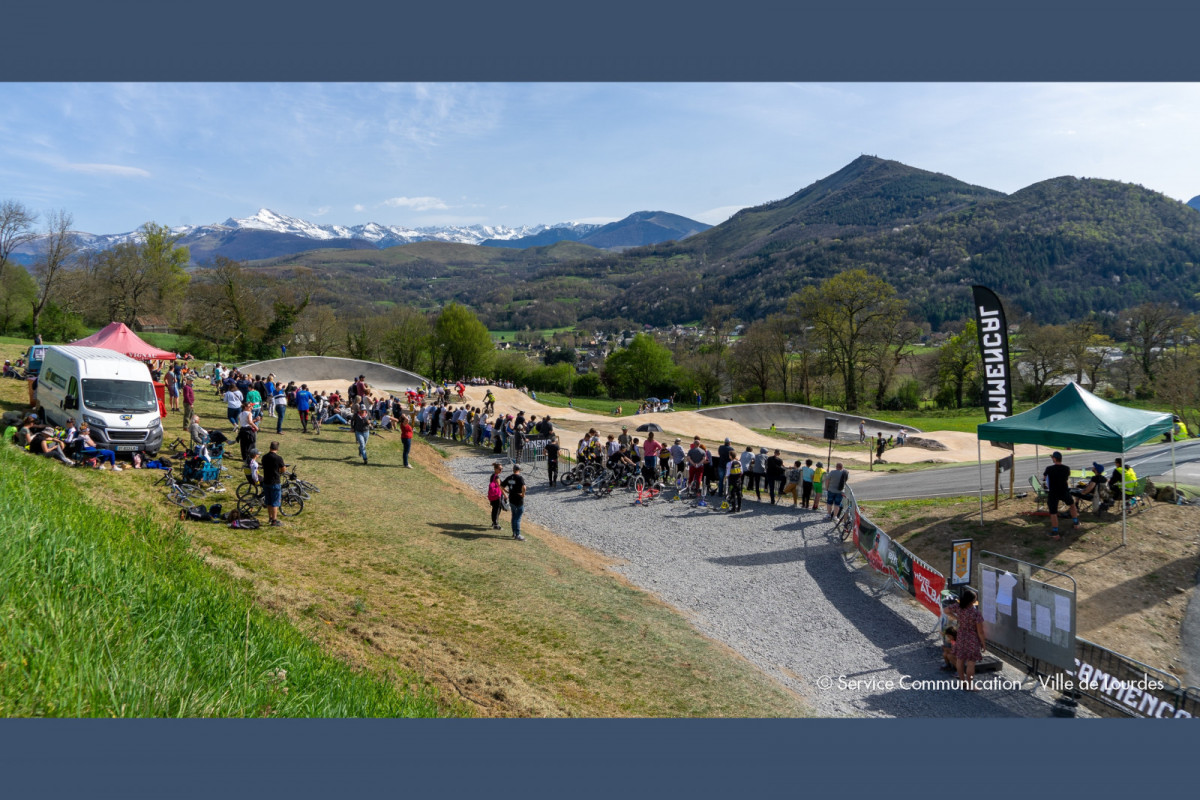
{"type": "Point", "coordinates": [949, 637]}
{"type": "Point", "coordinates": [88, 449]}
{"type": "Point", "coordinates": [196, 431]}
{"type": "Point", "coordinates": [1096, 489]}
{"type": "Point", "coordinates": [25, 433]}
{"type": "Point", "coordinates": [46, 443]}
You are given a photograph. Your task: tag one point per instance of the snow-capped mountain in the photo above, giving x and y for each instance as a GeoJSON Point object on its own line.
{"type": "Point", "coordinates": [373, 232]}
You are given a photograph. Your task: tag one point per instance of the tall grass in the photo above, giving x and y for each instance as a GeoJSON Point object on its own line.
{"type": "Point", "coordinates": [107, 614]}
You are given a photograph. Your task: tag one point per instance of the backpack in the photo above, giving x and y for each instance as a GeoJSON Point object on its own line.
{"type": "Point", "coordinates": [195, 514]}
{"type": "Point", "coordinates": [735, 467]}
{"type": "Point", "coordinates": [494, 491]}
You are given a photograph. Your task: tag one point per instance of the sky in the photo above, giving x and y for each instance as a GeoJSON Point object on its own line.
{"type": "Point", "coordinates": [118, 155]}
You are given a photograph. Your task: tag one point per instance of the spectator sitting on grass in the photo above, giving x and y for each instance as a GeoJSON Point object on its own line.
{"type": "Point", "coordinates": [46, 443]}
{"type": "Point", "coordinates": [87, 447]}
{"type": "Point", "coordinates": [25, 433]}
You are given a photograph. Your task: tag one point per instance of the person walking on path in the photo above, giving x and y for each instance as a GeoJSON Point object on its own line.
{"type": "Point", "coordinates": [406, 436]}
{"type": "Point", "coordinates": [862, 431]}
{"type": "Point", "coordinates": [1057, 478]}
{"type": "Point", "coordinates": [189, 401]}
{"type": "Point", "coordinates": [515, 484]}
{"type": "Point", "coordinates": [272, 483]}
{"type": "Point", "coordinates": [971, 641]}
{"type": "Point", "coordinates": [361, 425]}
{"type": "Point", "coordinates": [835, 486]}
{"type": "Point", "coordinates": [304, 400]}
{"type": "Point", "coordinates": [494, 493]}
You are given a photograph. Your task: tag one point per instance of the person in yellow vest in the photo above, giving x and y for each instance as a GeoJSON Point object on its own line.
{"type": "Point", "coordinates": [1122, 481]}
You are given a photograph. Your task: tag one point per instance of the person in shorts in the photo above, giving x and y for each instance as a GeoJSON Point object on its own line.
{"type": "Point", "coordinates": [1057, 479]}
{"type": "Point", "coordinates": [835, 487]}
{"type": "Point", "coordinates": [272, 483]}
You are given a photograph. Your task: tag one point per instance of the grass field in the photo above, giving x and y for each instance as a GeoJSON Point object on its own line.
{"type": "Point", "coordinates": [396, 573]}
{"type": "Point", "coordinates": [113, 614]}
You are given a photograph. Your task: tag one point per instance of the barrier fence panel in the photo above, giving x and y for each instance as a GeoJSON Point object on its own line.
{"type": "Point", "coordinates": [1027, 615]}
{"type": "Point", "coordinates": [892, 559]}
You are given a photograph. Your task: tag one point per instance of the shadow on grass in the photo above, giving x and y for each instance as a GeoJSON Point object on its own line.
{"type": "Point", "coordinates": [468, 533]}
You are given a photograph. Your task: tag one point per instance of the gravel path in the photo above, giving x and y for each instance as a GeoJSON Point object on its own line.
{"type": "Point", "coordinates": [772, 583]}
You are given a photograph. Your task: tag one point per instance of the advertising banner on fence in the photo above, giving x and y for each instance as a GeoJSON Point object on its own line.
{"type": "Point", "coordinates": [905, 570]}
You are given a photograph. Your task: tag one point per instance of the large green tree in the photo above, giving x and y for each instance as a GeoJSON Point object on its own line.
{"type": "Point", "coordinates": [461, 345]}
{"type": "Point", "coordinates": [851, 313]}
{"type": "Point", "coordinates": [635, 370]}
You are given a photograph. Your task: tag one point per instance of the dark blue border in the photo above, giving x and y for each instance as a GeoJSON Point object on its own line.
{"type": "Point", "coordinates": [593, 758]}
{"type": "Point", "coordinates": [618, 40]}
{"type": "Point", "coordinates": [621, 40]}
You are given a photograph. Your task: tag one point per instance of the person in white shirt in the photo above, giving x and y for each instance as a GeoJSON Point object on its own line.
{"type": "Point", "coordinates": [233, 405]}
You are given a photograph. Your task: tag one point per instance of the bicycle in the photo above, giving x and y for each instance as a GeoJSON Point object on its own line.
{"type": "Point", "coordinates": [254, 501]}
{"type": "Point", "coordinates": [183, 495]}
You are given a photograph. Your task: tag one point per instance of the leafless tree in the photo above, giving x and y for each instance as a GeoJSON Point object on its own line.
{"type": "Point", "coordinates": [16, 229]}
{"type": "Point", "coordinates": [55, 258]}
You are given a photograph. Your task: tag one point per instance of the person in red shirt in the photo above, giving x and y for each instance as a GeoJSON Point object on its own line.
{"type": "Point", "coordinates": [406, 436]}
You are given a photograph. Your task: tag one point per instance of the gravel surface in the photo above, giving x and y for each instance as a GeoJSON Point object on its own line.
{"type": "Point", "coordinates": [772, 583]}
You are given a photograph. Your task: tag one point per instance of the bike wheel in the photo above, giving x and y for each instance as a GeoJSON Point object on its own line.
{"type": "Point", "coordinates": [291, 504]}
{"type": "Point", "coordinates": [177, 497]}
{"type": "Point", "coordinates": [244, 490]}
{"type": "Point", "coordinates": [639, 484]}
{"type": "Point", "coordinates": [250, 507]}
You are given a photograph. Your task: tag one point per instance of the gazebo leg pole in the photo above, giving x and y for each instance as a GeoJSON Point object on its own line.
{"type": "Point", "coordinates": [1124, 500]}
{"type": "Point", "coordinates": [979, 455]}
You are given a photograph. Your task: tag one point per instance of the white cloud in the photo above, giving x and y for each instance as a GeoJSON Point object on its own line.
{"type": "Point", "coordinates": [322, 211]}
{"type": "Point", "coordinates": [417, 203]}
{"type": "Point", "coordinates": [108, 169]}
{"type": "Point", "coordinates": [359, 207]}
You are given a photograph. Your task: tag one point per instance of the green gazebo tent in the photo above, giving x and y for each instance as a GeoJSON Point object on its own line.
{"type": "Point", "coordinates": [1076, 418]}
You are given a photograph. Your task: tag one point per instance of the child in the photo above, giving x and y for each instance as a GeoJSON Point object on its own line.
{"type": "Point", "coordinates": [949, 637]}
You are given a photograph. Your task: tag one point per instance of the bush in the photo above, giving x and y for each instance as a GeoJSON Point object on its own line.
{"type": "Point", "coordinates": [907, 397]}
{"type": "Point", "coordinates": [588, 385]}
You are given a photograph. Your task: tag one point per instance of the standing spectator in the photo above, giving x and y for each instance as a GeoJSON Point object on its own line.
{"type": "Point", "coordinates": [189, 401]}
{"type": "Point", "coordinates": [1057, 478]}
{"type": "Point", "coordinates": [862, 431]}
{"type": "Point", "coordinates": [273, 467]}
{"type": "Point", "coordinates": [172, 382]}
{"type": "Point", "coordinates": [678, 457]}
{"type": "Point", "coordinates": [649, 457]}
{"type": "Point", "coordinates": [758, 472]}
{"type": "Point", "coordinates": [269, 394]}
{"type": "Point", "coordinates": [247, 431]}
{"type": "Point", "coordinates": [725, 453]}
{"type": "Point", "coordinates": [733, 480]}
{"type": "Point", "coordinates": [361, 425]}
{"type": "Point", "coordinates": [279, 404]}
{"type": "Point", "coordinates": [880, 446]}
{"type": "Point", "coordinates": [695, 461]}
{"type": "Point", "coordinates": [794, 479]}
{"type": "Point", "coordinates": [775, 475]}
{"type": "Point", "coordinates": [835, 486]}
{"type": "Point", "coordinates": [516, 499]}
{"type": "Point", "coordinates": [304, 400]}
{"type": "Point", "coordinates": [495, 492]}
{"type": "Point", "coordinates": [625, 438]}
{"type": "Point", "coordinates": [971, 641]}
{"type": "Point", "coordinates": [233, 405]}
{"type": "Point", "coordinates": [818, 485]}
{"type": "Point", "coordinates": [406, 437]}
{"type": "Point", "coordinates": [806, 483]}
{"type": "Point", "coordinates": [551, 449]}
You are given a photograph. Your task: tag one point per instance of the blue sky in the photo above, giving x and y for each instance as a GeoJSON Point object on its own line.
{"type": "Point", "coordinates": [118, 155]}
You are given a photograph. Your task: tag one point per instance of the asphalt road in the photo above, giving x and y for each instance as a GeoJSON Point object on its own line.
{"type": "Point", "coordinates": [1148, 460]}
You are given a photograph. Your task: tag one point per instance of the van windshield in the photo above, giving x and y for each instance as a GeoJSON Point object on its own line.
{"type": "Point", "coordinates": [129, 397]}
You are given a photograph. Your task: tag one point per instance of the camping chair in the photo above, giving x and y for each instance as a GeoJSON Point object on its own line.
{"type": "Point", "coordinates": [1136, 497]}
{"type": "Point", "coordinates": [1039, 492]}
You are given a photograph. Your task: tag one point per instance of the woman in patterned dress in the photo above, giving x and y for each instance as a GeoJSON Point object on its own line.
{"type": "Point", "coordinates": [968, 648]}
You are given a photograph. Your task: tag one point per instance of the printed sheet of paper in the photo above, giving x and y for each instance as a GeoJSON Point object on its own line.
{"type": "Point", "coordinates": [1024, 615]}
{"type": "Point", "coordinates": [1062, 613]}
{"type": "Point", "coordinates": [1042, 618]}
{"type": "Point", "coordinates": [989, 597]}
{"type": "Point", "coordinates": [1004, 594]}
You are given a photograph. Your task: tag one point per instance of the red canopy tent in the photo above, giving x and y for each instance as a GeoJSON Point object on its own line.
{"type": "Point", "coordinates": [117, 336]}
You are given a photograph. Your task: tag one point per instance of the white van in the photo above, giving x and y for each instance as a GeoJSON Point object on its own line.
{"type": "Point", "coordinates": [111, 392]}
